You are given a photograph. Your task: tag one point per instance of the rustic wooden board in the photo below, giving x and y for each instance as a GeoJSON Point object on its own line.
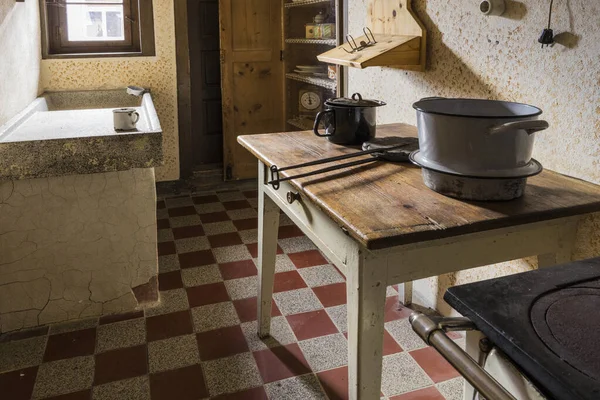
{"type": "Point", "coordinates": [383, 204]}
{"type": "Point", "coordinates": [389, 50]}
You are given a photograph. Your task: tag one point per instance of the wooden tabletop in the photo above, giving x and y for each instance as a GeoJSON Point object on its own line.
{"type": "Point", "coordinates": [384, 204]}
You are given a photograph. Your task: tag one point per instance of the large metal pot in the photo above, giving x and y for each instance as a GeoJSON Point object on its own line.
{"type": "Point", "coordinates": [348, 121]}
{"type": "Point", "coordinates": [477, 137]}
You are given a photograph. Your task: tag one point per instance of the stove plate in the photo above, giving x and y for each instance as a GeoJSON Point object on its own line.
{"type": "Point", "coordinates": [567, 322]}
{"type": "Point", "coordinates": [552, 338]}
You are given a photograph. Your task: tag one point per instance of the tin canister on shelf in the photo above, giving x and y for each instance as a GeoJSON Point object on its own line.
{"type": "Point", "coordinates": [332, 71]}
{"type": "Point", "coordinates": [312, 31]}
{"type": "Point", "coordinates": [327, 31]}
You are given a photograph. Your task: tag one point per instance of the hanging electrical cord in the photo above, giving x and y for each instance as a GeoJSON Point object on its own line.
{"type": "Point", "coordinates": [547, 37]}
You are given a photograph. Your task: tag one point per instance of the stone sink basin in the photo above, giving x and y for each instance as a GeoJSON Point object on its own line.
{"type": "Point", "coordinates": [65, 133]}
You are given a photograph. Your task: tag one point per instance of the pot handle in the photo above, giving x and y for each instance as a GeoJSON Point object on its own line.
{"type": "Point", "coordinates": [530, 126]}
{"type": "Point", "coordinates": [318, 121]}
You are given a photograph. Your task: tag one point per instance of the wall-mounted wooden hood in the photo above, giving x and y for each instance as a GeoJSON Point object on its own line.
{"type": "Point", "coordinates": [400, 37]}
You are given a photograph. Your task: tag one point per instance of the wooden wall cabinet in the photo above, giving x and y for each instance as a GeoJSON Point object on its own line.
{"type": "Point", "coordinates": [400, 39]}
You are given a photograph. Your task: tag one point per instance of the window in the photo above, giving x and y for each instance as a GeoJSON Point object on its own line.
{"type": "Point", "coordinates": [92, 28]}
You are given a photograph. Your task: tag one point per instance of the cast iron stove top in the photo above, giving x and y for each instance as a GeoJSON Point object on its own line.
{"type": "Point", "coordinates": [547, 321]}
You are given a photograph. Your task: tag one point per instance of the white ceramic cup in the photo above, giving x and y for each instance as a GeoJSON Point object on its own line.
{"type": "Point", "coordinates": [125, 119]}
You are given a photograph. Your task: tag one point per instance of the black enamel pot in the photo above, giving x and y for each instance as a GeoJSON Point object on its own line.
{"type": "Point", "coordinates": [348, 121]}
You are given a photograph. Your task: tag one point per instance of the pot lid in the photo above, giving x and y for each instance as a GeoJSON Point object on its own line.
{"type": "Point", "coordinates": [355, 101]}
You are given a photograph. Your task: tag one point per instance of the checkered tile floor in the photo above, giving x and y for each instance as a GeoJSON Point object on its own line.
{"type": "Point", "coordinates": [201, 341]}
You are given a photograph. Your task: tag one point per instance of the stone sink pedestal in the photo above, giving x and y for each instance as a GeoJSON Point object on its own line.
{"type": "Point", "coordinates": [77, 209]}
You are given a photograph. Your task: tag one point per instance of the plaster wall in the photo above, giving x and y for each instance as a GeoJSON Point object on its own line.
{"type": "Point", "coordinates": [19, 56]}
{"type": "Point", "coordinates": [76, 246]}
{"type": "Point", "coordinates": [472, 55]}
{"type": "Point", "coordinates": [157, 73]}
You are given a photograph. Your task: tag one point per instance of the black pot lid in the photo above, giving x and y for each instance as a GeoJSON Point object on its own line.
{"type": "Point", "coordinates": [355, 101]}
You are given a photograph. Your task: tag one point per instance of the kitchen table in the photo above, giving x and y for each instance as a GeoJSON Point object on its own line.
{"type": "Point", "coordinates": [379, 225]}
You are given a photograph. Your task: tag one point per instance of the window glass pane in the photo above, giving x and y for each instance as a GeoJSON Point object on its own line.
{"type": "Point", "coordinates": [95, 22]}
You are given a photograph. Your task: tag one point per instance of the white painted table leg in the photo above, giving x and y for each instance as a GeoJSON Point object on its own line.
{"type": "Point", "coordinates": [268, 226]}
{"type": "Point", "coordinates": [564, 250]}
{"type": "Point", "coordinates": [405, 293]}
{"type": "Point", "coordinates": [472, 339]}
{"type": "Point", "coordinates": [366, 288]}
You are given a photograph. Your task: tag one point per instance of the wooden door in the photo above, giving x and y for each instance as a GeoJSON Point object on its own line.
{"type": "Point", "coordinates": [252, 77]}
{"type": "Point", "coordinates": [205, 81]}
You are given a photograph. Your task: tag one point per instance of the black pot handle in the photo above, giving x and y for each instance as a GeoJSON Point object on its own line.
{"type": "Point", "coordinates": [318, 121]}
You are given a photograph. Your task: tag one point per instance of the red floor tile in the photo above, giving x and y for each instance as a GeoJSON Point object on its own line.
{"type": "Point", "coordinates": [288, 280]}
{"type": "Point", "coordinates": [238, 269]}
{"type": "Point", "coordinates": [247, 309]}
{"type": "Point", "coordinates": [394, 310]}
{"type": "Point", "coordinates": [188, 231]}
{"type": "Point", "coordinates": [221, 343]}
{"type": "Point", "coordinates": [430, 393]}
{"type": "Point", "coordinates": [168, 325]}
{"type": "Point", "coordinates": [335, 383]}
{"type": "Point", "coordinates": [181, 384]}
{"type": "Point", "coordinates": [24, 334]}
{"type": "Point", "coordinates": [207, 294]}
{"type": "Point", "coordinates": [219, 216]}
{"type": "Point", "coordinates": [160, 204]}
{"type": "Point", "coordinates": [182, 211]}
{"type": "Point", "coordinates": [331, 295]}
{"type": "Point", "coordinates": [250, 194]}
{"type": "Point", "coordinates": [289, 231]}
{"type": "Point", "coordinates": [170, 280]}
{"type": "Point", "coordinates": [205, 199]}
{"type": "Point", "coordinates": [257, 393]}
{"type": "Point", "coordinates": [18, 384]}
{"type": "Point", "coordinates": [163, 223]}
{"type": "Point", "coordinates": [83, 395]}
{"type": "Point", "coordinates": [245, 224]}
{"type": "Point", "coordinates": [196, 259]}
{"type": "Point", "coordinates": [390, 346]}
{"type": "Point", "coordinates": [434, 364]}
{"type": "Point", "coordinates": [109, 319]}
{"type": "Point", "coordinates": [281, 362]}
{"type": "Point", "coordinates": [253, 249]}
{"type": "Point", "coordinates": [236, 205]}
{"type": "Point", "coordinates": [311, 324]}
{"type": "Point", "coordinates": [224, 239]}
{"type": "Point", "coordinates": [121, 364]}
{"type": "Point", "coordinates": [70, 344]}
{"type": "Point", "coordinates": [308, 258]}
{"type": "Point", "coordinates": [166, 248]}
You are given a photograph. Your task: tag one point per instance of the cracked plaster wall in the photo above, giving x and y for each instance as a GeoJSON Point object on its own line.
{"type": "Point", "coordinates": [471, 55]}
{"type": "Point", "coordinates": [74, 246]}
{"type": "Point", "coordinates": [19, 56]}
{"type": "Point", "coordinates": [157, 73]}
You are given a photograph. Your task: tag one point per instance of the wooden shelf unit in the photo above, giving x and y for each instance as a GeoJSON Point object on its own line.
{"type": "Point", "coordinates": [400, 38]}
{"type": "Point", "coordinates": [300, 51]}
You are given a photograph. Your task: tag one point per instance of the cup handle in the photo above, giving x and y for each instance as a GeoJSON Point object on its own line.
{"type": "Point", "coordinates": [318, 121]}
{"type": "Point", "coordinates": [137, 117]}
{"type": "Point", "coordinates": [530, 126]}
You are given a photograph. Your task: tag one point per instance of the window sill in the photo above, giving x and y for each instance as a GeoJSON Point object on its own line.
{"type": "Point", "coordinates": [67, 56]}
